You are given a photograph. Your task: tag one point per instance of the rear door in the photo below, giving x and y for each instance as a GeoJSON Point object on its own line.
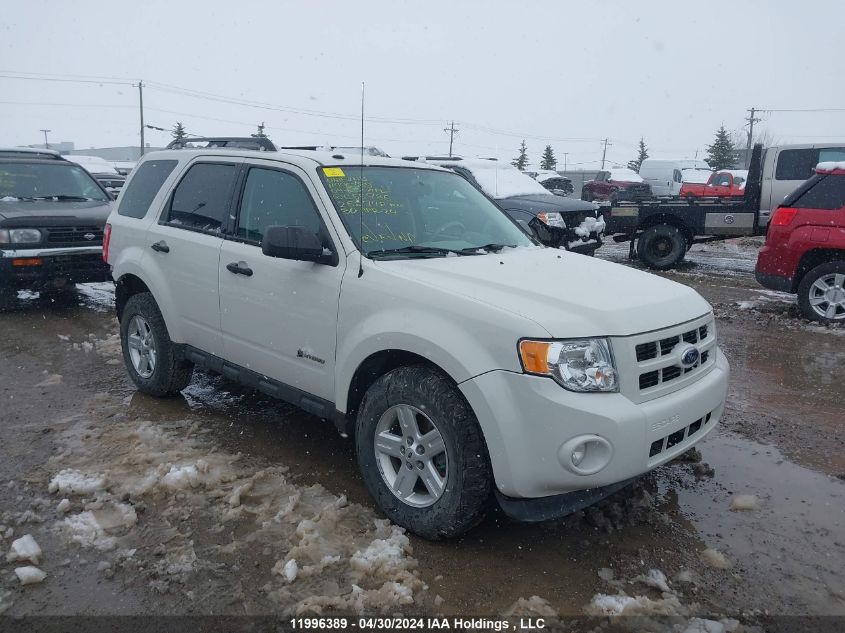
{"type": "Point", "coordinates": [185, 247]}
{"type": "Point", "coordinates": [279, 319]}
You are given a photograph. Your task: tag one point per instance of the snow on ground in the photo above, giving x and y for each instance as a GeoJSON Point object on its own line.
{"type": "Point", "coordinates": [158, 503]}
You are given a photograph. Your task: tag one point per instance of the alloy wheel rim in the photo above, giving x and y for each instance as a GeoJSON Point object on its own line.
{"type": "Point", "coordinates": [142, 349]}
{"type": "Point", "coordinates": [827, 296]}
{"type": "Point", "coordinates": [411, 456]}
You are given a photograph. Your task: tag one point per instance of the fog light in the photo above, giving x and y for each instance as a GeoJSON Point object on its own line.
{"type": "Point", "coordinates": [585, 454]}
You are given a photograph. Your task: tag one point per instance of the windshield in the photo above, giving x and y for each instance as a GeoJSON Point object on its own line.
{"type": "Point", "coordinates": [422, 212]}
{"type": "Point", "coordinates": [27, 181]}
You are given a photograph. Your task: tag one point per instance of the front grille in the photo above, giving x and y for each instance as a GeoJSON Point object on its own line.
{"type": "Point", "coordinates": [679, 436]}
{"type": "Point", "coordinates": [75, 235]}
{"type": "Point", "coordinates": [658, 365]}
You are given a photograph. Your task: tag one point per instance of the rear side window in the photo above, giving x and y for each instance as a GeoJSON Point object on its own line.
{"type": "Point", "coordinates": [201, 200]}
{"type": "Point", "coordinates": [799, 164]}
{"type": "Point", "coordinates": [274, 198]}
{"type": "Point", "coordinates": [827, 193]}
{"type": "Point", "coordinates": [143, 187]}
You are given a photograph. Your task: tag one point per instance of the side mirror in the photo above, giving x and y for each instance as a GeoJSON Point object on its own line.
{"type": "Point", "coordinates": [296, 243]}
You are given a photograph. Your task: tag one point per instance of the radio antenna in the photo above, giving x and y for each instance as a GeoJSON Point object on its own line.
{"type": "Point", "coordinates": [361, 194]}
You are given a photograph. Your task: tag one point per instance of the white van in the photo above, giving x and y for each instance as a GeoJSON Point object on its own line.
{"type": "Point", "coordinates": [787, 166]}
{"type": "Point", "coordinates": [665, 175]}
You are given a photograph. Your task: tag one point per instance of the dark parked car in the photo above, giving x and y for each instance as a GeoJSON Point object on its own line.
{"type": "Point", "coordinates": [616, 185]}
{"type": "Point", "coordinates": [554, 220]}
{"type": "Point", "coordinates": [52, 217]}
{"type": "Point", "coordinates": [112, 183]}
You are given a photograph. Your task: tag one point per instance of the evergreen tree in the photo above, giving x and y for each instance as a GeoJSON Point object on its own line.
{"type": "Point", "coordinates": [521, 161]}
{"type": "Point", "coordinates": [548, 161]}
{"type": "Point", "coordinates": [642, 154]}
{"type": "Point", "coordinates": [178, 132]}
{"type": "Point", "coordinates": [722, 153]}
{"type": "Point", "coordinates": [259, 132]}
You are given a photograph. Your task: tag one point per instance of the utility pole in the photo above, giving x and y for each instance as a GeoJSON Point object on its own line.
{"type": "Point", "coordinates": [604, 151]}
{"type": "Point", "coordinates": [452, 131]}
{"type": "Point", "coordinates": [751, 121]}
{"type": "Point", "coordinates": [46, 144]}
{"type": "Point", "coordinates": [141, 104]}
{"type": "Point", "coordinates": [565, 154]}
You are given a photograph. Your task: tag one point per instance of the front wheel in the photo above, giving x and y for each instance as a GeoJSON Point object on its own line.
{"type": "Point", "coordinates": [821, 293]}
{"type": "Point", "coordinates": [421, 453]}
{"type": "Point", "coordinates": [661, 246]}
{"type": "Point", "coordinates": [148, 353]}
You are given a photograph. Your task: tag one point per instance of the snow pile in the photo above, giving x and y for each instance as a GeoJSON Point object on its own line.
{"type": "Point", "coordinates": [830, 166]}
{"type": "Point", "coordinates": [501, 180]}
{"type": "Point", "coordinates": [533, 606]}
{"type": "Point", "coordinates": [50, 381]}
{"type": "Point", "coordinates": [71, 481]}
{"type": "Point", "coordinates": [716, 559]}
{"type": "Point", "coordinates": [313, 551]}
{"type": "Point", "coordinates": [29, 575]}
{"type": "Point", "coordinates": [92, 528]}
{"type": "Point", "coordinates": [590, 225]}
{"type": "Point", "coordinates": [109, 348]}
{"type": "Point", "coordinates": [745, 502]}
{"type": "Point", "coordinates": [24, 548]}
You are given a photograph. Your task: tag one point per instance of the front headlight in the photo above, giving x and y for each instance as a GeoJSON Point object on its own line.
{"type": "Point", "coordinates": [578, 365]}
{"type": "Point", "coordinates": [20, 236]}
{"type": "Point", "coordinates": [551, 218]}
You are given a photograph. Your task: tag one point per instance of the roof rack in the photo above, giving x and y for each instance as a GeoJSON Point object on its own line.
{"type": "Point", "coordinates": [29, 152]}
{"type": "Point", "coordinates": [425, 158]}
{"type": "Point", "coordinates": [348, 149]}
{"type": "Point", "coordinates": [261, 144]}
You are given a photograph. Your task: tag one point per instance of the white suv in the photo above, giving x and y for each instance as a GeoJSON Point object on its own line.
{"type": "Point", "coordinates": [468, 362]}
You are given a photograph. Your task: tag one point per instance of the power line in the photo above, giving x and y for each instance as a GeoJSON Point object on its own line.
{"type": "Point", "coordinates": [75, 81]}
{"type": "Point", "coordinates": [803, 110]}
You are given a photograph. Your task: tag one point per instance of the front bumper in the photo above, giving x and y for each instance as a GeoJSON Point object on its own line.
{"type": "Point", "coordinates": [36, 268]}
{"type": "Point", "coordinates": [528, 420]}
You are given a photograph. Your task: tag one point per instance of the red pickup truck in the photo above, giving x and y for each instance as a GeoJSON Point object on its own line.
{"type": "Point", "coordinates": [805, 246]}
{"type": "Point", "coordinates": [727, 184]}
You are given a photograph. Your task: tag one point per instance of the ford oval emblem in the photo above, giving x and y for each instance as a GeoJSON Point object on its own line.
{"type": "Point", "coordinates": [89, 236]}
{"type": "Point", "coordinates": [690, 357]}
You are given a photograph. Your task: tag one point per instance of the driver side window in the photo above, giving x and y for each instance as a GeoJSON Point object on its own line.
{"type": "Point", "coordinates": [274, 198]}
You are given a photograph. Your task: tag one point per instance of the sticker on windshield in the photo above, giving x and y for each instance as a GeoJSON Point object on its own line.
{"type": "Point", "coordinates": [333, 172]}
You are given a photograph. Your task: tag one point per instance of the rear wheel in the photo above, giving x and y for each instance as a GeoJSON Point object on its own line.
{"type": "Point", "coordinates": [421, 453]}
{"type": "Point", "coordinates": [661, 246]}
{"type": "Point", "coordinates": [821, 293]}
{"type": "Point", "coordinates": [690, 199]}
{"type": "Point", "coordinates": [587, 195]}
{"type": "Point", "coordinates": [148, 353]}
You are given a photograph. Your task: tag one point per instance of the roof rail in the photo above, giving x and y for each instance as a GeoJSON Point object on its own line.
{"type": "Point", "coordinates": [425, 158]}
{"type": "Point", "coordinates": [347, 149]}
{"type": "Point", "coordinates": [259, 143]}
{"type": "Point", "coordinates": [29, 152]}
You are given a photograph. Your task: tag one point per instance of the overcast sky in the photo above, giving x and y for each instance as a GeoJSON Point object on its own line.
{"type": "Point", "coordinates": [563, 73]}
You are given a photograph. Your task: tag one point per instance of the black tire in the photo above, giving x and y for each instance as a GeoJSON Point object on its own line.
{"type": "Point", "coordinates": [586, 195]}
{"type": "Point", "coordinates": [468, 485]}
{"type": "Point", "coordinates": [807, 289]}
{"type": "Point", "coordinates": [170, 374]}
{"type": "Point", "coordinates": [613, 198]}
{"type": "Point", "coordinates": [690, 199]}
{"type": "Point", "coordinates": [661, 246]}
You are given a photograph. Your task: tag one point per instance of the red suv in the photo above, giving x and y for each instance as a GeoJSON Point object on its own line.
{"type": "Point", "coordinates": [805, 246]}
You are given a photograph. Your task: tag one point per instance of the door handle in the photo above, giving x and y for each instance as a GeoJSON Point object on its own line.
{"type": "Point", "coordinates": [239, 268]}
{"type": "Point", "coordinates": [160, 247]}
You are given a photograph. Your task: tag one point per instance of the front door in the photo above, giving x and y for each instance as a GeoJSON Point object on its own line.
{"type": "Point", "coordinates": [279, 316]}
{"type": "Point", "coordinates": [184, 245]}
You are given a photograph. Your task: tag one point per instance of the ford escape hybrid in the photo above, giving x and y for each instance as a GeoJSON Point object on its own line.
{"type": "Point", "coordinates": [468, 363]}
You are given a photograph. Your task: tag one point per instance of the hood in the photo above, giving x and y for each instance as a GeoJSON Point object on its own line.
{"type": "Point", "coordinates": [568, 294]}
{"type": "Point", "coordinates": [54, 213]}
{"type": "Point", "coordinates": [548, 202]}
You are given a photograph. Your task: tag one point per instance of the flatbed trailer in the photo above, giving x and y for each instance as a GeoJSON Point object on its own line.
{"type": "Point", "coordinates": [660, 233]}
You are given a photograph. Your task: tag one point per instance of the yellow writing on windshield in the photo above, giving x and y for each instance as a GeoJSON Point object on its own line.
{"type": "Point", "coordinates": [376, 200]}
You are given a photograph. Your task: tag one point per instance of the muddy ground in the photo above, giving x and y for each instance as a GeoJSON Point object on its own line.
{"type": "Point", "coordinates": [226, 502]}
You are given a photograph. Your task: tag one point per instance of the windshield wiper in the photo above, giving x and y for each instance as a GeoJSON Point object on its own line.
{"type": "Point", "coordinates": [60, 197]}
{"type": "Point", "coordinates": [490, 248]}
{"type": "Point", "coordinates": [415, 249]}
